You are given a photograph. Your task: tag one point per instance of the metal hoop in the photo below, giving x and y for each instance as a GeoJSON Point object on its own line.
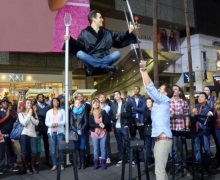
{"type": "Point", "coordinates": [135, 30]}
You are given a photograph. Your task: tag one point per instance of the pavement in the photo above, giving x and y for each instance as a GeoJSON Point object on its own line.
{"type": "Point", "coordinates": [113, 172]}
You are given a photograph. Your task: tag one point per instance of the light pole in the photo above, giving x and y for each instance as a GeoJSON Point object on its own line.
{"type": "Point", "coordinates": [67, 22]}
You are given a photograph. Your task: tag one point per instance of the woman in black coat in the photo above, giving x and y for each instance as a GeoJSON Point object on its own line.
{"type": "Point", "coordinates": [148, 128]}
{"type": "Point", "coordinates": [78, 123]}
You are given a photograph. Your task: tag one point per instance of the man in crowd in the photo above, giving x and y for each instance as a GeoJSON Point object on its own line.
{"type": "Point", "coordinates": [120, 114]}
{"type": "Point", "coordinates": [202, 125]}
{"type": "Point", "coordinates": [87, 106]}
{"type": "Point", "coordinates": [179, 106]}
{"type": "Point", "coordinates": [104, 106]}
{"type": "Point", "coordinates": [41, 113]}
{"type": "Point", "coordinates": [61, 97]}
{"type": "Point", "coordinates": [6, 123]}
{"type": "Point", "coordinates": [160, 121]}
{"type": "Point", "coordinates": [138, 104]}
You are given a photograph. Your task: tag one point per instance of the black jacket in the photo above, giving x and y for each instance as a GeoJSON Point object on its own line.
{"type": "Point", "coordinates": [126, 113]}
{"type": "Point", "coordinates": [98, 44]}
{"type": "Point", "coordinates": [147, 116]}
{"type": "Point", "coordinates": [78, 121]}
{"type": "Point", "coordinates": [105, 121]}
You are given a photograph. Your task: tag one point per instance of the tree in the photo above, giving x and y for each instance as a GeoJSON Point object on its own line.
{"type": "Point", "coordinates": [191, 84]}
{"type": "Point", "coordinates": [155, 49]}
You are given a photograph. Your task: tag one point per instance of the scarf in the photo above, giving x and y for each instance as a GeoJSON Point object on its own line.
{"type": "Point", "coordinates": [78, 111]}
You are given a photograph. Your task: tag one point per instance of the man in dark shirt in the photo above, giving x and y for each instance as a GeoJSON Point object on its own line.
{"type": "Point", "coordinates": [93, 44]}
{"type": "Point", "coordinates": [41, 113]}
{"type": "Point", "coordinates": [6, 124]}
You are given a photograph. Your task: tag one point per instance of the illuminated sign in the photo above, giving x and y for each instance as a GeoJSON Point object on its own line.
{"type": "Point", "coordinates": [16, 77]}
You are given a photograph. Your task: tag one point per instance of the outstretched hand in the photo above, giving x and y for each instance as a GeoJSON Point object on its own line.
{"type": "Point", "coordinates": [131, 27]}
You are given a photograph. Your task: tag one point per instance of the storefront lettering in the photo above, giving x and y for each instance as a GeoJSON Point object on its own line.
{"type": "Point", "coordinates": [16, 77]}
{"type": "Point", "coordinates": [215, 43]}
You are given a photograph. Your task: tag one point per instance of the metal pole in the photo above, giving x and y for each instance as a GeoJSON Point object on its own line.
{"type": "Point", "coordinates": [67, 85]}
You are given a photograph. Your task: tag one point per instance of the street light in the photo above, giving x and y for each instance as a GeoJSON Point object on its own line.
{"type": "Point", "coordinates": [67, 22]}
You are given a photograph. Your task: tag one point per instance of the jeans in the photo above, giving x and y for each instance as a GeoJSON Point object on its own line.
{"type": "Point", "coordinates": [108, 60]}
{"type": "Point", "coordinates": [80, 144]}
{"type": "Point", "coordinates": [54, 141]}
{"type": "Point", "coordinates": [177, 145]}
{"type": "Point", "coordinates": [120, 135]}
{"type": "Point", "coordinates": [99, 143]}
{"type": "Point", "coordinates": [149, 145]}
{"type": "Point", "coordinates": [28, 145]}
{"type": "Point", "coordinates": [206, 145]}
{"type": "Point", "coordinates": [6, 149]}
{"type": "Point", "coordinates": [217, 135]}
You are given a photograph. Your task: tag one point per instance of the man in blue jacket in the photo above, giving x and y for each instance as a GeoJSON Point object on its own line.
{"type": "Point", "coordinates": [138, 104]}
{"type": "Point", "coordinates": [202, 125]}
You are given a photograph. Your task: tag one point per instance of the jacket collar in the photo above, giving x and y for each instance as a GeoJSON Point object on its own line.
{"type": "Point", "coordinates": [99, 36]}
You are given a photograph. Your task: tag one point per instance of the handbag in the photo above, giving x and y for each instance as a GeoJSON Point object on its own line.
{"type": "Point", "coordinates": [148, 130]}
{"type": "Point", "coordinates": [15, 144]}
{"type": "Point", "coordinates": [16, 131]}
{"type": "Point", "coordinates": [73, 136]}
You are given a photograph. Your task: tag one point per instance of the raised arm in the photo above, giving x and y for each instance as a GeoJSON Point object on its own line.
{"type": "Point", "coordinates": [145, 76]}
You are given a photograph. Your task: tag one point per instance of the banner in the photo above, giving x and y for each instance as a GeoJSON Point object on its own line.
{"type": "Point", "coordinates": [204, 66]}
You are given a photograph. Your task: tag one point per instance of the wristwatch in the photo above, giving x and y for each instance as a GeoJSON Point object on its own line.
{"type": "Point", "coordinates": [143, 69]}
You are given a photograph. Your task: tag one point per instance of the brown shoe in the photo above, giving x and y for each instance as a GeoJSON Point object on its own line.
{"type": "Point", "coordinates": [54, 168]}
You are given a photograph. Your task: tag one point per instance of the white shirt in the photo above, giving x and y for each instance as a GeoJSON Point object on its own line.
{"type": "Point", "coordinates": [118, 122]}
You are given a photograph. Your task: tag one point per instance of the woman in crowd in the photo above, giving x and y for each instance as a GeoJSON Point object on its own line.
{"type": "Point", "coordinates": [55, 121]}
{"type": "Point", "coordinates": [98, 122]}
{"type": "Point", "coordinates": [29, 120]}
{"type": "Point", "coordinates": [78, 122]}
{"type": "Point", "coordinates": [217, 130]}
{"type": "Point", "coordinates": [148, 129]}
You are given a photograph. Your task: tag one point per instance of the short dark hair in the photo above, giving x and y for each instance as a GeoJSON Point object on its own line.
{"type": "Point", "coordinates": [206, 96]}
{"type": "Point", "coordinates": [117, 92]}
{"type": "Point", "coordinates": [39, 95]}
{"type": "Point", "coordinates": [168, 89]}
{"type": "Point", "coordinates": [53, 100]}
{"type": "Point", "coordinates": [137, 87]}
{"type": "Point", "coordinates": [92, 14]}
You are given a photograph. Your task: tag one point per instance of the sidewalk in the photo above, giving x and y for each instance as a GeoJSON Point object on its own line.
{"type": "Point", "coordinates": [112, 173]}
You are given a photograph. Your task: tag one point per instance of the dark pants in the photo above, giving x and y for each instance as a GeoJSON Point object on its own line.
{"type": "Point", "coordinates": [108, 146]}
{"type": "Point", "coordinates": [46, 143]}
{"type": "Point", "coordinates": [206, 145]}
{"type": "Point", "coordinates": [87, 145]}
{"type": "Point", "coordinates": [134, 128]}
{"type": "Point", "coordinates": [149, 143]}
{"type": "Point", "coordinates": [217, 135]}
{"type": "Point", "coordinates": [120, 135]}
{"type": "Point", "coordinates": [6, 149]}
{"type": "Point", "coordinates": [27, 142]}
{"type": "Point", "coordinates": [80, 144]}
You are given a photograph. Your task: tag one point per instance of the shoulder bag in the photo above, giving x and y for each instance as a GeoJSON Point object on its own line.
{"type": "Point", "coordinates": [17, 130]}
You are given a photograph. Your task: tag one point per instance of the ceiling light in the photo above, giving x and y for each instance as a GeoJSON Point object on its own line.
{"type": "Point", "coordinates": [122, 70]}
{"type": "Point", "coordinates": [134, 71]}
{"type": "Point", "coordinates": [167, 63]}
{"type": "Point", "coordinates": [133, 60]}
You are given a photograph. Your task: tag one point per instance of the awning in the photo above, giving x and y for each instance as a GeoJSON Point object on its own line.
{"type": "Point", "coordinates": [85, 92]}
{"type": "Point", "coordinates": [32, 93]}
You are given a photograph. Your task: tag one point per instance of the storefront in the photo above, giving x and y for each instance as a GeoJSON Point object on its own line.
{"type": "Point", "coordinates": [11, 85]}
